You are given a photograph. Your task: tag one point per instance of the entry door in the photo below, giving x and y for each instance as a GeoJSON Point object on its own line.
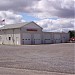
{"type": "Point", "coordinates": [27, 38]}
{"type": "Point", "coordinates": [37, 39]}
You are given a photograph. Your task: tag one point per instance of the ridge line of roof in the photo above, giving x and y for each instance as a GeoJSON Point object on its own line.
{"type": "Point", "coordinates": [18, 25]}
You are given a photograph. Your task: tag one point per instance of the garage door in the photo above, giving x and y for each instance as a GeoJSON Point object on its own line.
{"type": "Point", "coordinates": [57, 38]}
{"type": "Point", "coordinates": [47, 39]}
{"type": "Point", "coordinates": [37, 38]}
{"type": "Point", "coordinates": [26, 38]}
{"type": "Point", "coordinates": [63, 39]}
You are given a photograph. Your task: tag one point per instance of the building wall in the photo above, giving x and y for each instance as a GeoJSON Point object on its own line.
{"type": "Point", "coordinates": [55, 37]}
{"type": "Point", "coordinates": [31, 34]}
{"type": "Point", "coordinates": [10, 36]}
{"type": "Point", "coordinates": [17, 37]}
{"type": "Point", "coordinates": [31, 26]}
{"type": "Point", "coordinates": [1, 36]}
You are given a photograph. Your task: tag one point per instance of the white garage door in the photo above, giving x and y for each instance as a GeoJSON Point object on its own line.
{"type": "Point", "coordinates": [47, 39]}
{"type": "Point", "coordinates": [26, 38]}
{"type": "Point", "coordinates": [37, 39]}
{"type": "Point", "coordinates": [57, 38]}
{"type": "Point", "coordinates": [63, 38]}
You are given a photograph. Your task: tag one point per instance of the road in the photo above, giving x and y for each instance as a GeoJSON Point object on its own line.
{"type": "Point", "coordinates": [50, 59]}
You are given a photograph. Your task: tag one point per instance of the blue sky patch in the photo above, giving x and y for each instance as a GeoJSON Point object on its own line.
{"type": "Point", "coordinates": [28, 17]}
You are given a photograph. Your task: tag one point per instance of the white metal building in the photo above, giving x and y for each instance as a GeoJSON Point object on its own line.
{"type": "Point", "coordinates": [29, 33]}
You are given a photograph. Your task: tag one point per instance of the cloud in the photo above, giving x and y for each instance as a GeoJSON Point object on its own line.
{"type": "Point", "coordinates": [41, 8]}
{"type": "Point", "coordinates": [57, 25]}
{"type": "Point", "coordinates": [10, 17]}
{"type": "Point", "coordinates": [54, 8]}
{"type": "Point", "coordinates": [17, 5]}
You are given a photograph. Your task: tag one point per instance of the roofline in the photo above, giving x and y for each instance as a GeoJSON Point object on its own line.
{"type": "Point", "coordinates": [10, 28]}
{"type": "Point", "coordinates": [21, 26]}
{"type": "Point", "coordinates": [37, 24]}
{"type": "Point", "coordinates": [56, 32]}
{"type": "Point", "coordinates": [31, 22]}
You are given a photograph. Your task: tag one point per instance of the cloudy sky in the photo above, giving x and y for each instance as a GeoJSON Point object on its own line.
{"type": "Point", "coordinates": [52, 15]}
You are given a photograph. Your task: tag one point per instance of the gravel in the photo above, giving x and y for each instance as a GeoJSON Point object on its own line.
{"type": "Point", "coordinates": [50, 57]}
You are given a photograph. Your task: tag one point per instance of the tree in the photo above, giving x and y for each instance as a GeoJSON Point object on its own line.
{"type": "Point", "coordinates": [72, 34]}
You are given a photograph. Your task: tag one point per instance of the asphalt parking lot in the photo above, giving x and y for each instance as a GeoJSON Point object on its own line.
{"type": "Point", "coordinates": [49, 59]}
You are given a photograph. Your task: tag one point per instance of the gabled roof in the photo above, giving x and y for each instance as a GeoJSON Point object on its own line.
{"type": "Point", "coordinates": [18, 25]}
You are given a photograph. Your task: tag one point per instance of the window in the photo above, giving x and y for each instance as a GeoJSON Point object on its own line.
{"type": "Point", "coordinates": [9, 38]}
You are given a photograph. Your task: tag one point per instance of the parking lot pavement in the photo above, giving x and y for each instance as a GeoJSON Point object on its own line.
{"type": "Point", "coordinates": [50, 58]}
{"type": "Point", "coordinates": [12, 71]}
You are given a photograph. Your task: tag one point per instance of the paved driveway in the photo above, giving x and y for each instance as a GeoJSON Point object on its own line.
{"type": "Point", "coordinates": [51, 59]}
